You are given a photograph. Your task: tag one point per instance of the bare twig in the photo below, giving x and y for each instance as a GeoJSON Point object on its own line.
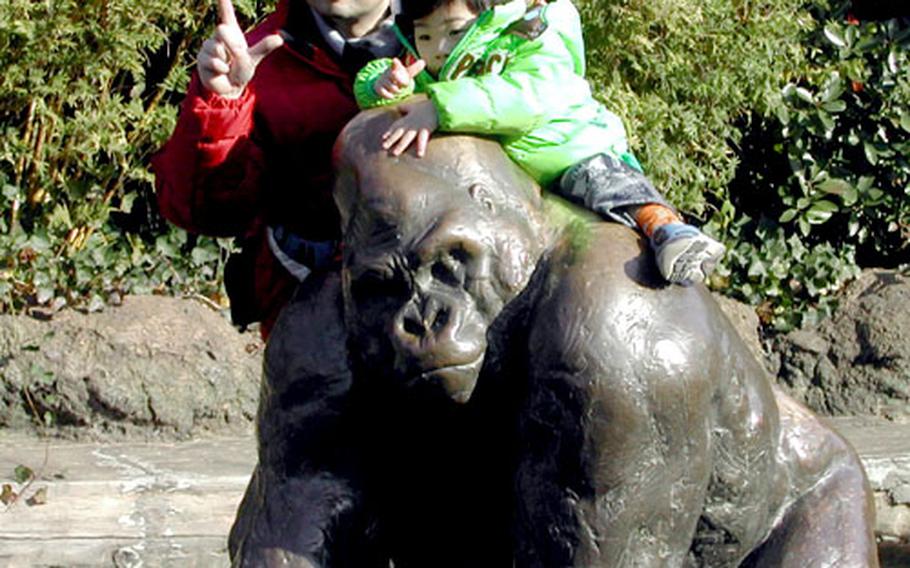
{"type": "Point", "coordinates": [207, 301]}
{"type": "Point", "coordinates": [26, 140]}
{"type": "Point", "coordinates": [40, 472]}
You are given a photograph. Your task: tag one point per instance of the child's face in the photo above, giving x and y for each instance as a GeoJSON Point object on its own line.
{"type": "Point", "coordinates": [437, 33]}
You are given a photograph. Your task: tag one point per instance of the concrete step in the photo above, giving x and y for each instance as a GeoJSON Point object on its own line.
{"type": "Point", "coordinates": [126, 505]}
{"type": "Point", "coordinates": [884, 448]}
{"type": "Point", "coordinates": [172, 504]}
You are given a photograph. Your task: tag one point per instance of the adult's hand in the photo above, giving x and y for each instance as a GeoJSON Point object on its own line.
{"type": "Point", "coordinates": [226, 63]}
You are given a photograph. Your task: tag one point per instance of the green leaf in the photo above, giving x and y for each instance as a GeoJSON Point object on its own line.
{"type": "Point", "coordinates": [783, 114]}
{"type": "Point", "coordinates": [202, 255]}
{"type": "Point", "coordinates": [40, 374]}
{"type": "Point", "coordinates": [805, 95]}
{"type": "Point", "coordinates": [850, 196]}
{"type": "Point", "coordinates": [834, 87]}
{"type": "Point", "coordinates": [905, 120]}
{"type": "Point", "coordinates": [164, 247]}
{"type": "Point", "coordinates": [10, 192]}
{"type": "Point", "coordinates": [788, 215]}
{"type": "Point", "coordinates": [851, 34]}
{"type": "Point", "coordinates": [834, 36]}
{"type": "Point", "coordinates": [836, 186]}
{"type": "Point", "coordinates": [871, 153]}
{"type": "Point", "coordinates": [39, 242]}
{"type": "Point", "coordinates": [824, 205]}
{"type": "Point", "coordinates": [23, 474]}
{"type": "Point", "coordinates": [820, 212]}
{"type": "Point", "coordinates": [757, 268]}
{"type": "Point", "coordinates": [835, 106]}
{"type": "Point", "coordinates": [126, 204]}
{"type": "Point", "coordinates": [868, 43]}
{"type": "Point", "coordinates": [818, 174]}
{"type": "Point", "coordinates": [60, 216]}
{"type": "Point", "coordinates": [892, 61]}
{"type": "Point", "coordinates": [96, 304]}
{"type": "Point", "coordinates": [44, 294]}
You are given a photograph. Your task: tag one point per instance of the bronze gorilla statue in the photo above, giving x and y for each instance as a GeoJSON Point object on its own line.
{"type": "Point", "coordinates": [497, 380]}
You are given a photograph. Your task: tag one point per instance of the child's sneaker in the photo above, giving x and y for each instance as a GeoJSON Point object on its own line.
{"type": "Point", "coordinates": [684, 254]}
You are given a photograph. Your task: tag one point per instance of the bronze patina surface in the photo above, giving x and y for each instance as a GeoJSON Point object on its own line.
{"type": "Point", "coordinates": [497, 380]}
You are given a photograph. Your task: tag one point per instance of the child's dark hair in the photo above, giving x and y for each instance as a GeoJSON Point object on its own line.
{"type": "Point", "coordinates": [415, 9]}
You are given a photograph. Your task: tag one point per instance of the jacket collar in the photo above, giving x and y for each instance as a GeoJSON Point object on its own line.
{"type": "Point", "coordinates": [313, 38]}
{"type": "Point", "coordinates": [488, 26]}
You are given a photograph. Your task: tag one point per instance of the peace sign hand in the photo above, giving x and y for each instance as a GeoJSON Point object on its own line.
{"type": "Point", "coordinates": [397, 78]}
{"type": "Point", "coordinates": [226, 63]}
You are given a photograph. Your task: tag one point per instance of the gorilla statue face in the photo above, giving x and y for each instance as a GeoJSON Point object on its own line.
{"type": "Point", "coordinates": [434, 248]}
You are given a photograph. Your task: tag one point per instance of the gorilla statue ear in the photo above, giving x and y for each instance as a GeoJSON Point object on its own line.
{"type": "Point", "coordinates": [482, 195]}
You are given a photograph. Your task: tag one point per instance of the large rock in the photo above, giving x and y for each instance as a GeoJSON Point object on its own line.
{"type": "Point", "coordinates": [155, 366]}
{"type": "Point", "coordinates": [857, 362]}
{"type": "Point", "coordinates": [746, 323]}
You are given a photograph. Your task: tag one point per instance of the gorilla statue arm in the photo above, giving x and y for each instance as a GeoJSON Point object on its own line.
{"type": "Point", "coordinates": [674, 450]}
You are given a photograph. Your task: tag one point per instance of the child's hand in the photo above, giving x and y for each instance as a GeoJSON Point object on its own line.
{"type": "Point", "coordinates": [419, 120]}
{"type": "Point", "coordinates": [397, 77]}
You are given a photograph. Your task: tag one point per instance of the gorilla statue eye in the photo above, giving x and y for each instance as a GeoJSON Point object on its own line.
{"type": "Point", "coordinates": [375, 285]}
{"type": "Point", "coordinates": [450, 269]}
{"type": "Point", "coordinates": [445, 273]}
{"type": "Point", "coordinates": [460, 255]}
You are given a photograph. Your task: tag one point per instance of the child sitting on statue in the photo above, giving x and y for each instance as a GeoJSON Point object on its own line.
{"type": "Point", "coordinates": [515, 71]}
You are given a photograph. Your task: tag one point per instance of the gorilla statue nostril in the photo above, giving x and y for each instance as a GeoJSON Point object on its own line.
{"type": "Point", "coordinates": [423, 317]}
{"type": "Point", "coordinates": [413, 326]}
{"type": "Point", "coordinates": [440, 320]}
{"type": "Point", "coordinates": [431, 322]}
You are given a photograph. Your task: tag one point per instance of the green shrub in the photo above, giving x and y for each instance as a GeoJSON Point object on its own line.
{"type": "Point", "coordinates": [843, 130]}
{"type": "Point", "coordinates": [87, 93]}
{"type": "Point", "coordinates": [828, 168]}
{"type": "Point", "coordinates": [778, 123]}
{"type": "Point", "coordinates": [790, 283]}
{"type": "Point", "coordinates": [680, 72]}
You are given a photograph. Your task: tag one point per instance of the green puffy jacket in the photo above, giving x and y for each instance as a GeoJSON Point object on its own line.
{"type": "Point", "coordinates": [518, 75]}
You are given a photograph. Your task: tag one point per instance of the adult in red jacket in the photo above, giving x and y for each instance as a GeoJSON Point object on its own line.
{"type": "Point", "coordinates": [251, 154]}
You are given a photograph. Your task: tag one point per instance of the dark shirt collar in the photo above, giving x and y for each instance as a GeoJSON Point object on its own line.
{"type": "Point", "coordinates": [304, 32]}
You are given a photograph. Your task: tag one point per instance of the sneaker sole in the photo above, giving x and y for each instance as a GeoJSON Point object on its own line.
{"type": "Point", "coordinates": [695, 262]}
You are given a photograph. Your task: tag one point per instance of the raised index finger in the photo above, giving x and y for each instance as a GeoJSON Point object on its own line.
{"type": "Point", "coordinates": [226, 13]}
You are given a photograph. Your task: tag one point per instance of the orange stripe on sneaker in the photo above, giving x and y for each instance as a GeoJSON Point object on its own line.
{"type": "Point", "coordinates": [651, 216]}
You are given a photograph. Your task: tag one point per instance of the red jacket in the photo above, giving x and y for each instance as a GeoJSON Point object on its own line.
{"type": "Point", "coordinates": [233, 167]}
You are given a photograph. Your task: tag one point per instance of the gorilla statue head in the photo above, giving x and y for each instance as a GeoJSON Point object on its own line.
{"type": "Point", "coordinates": [431, 260]}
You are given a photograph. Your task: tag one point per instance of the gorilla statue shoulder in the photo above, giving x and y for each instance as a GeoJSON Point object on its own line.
{"type": "Point", "coordinates": [498, 380]}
